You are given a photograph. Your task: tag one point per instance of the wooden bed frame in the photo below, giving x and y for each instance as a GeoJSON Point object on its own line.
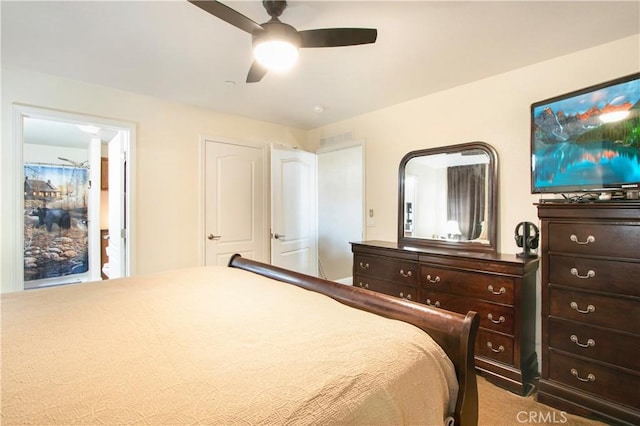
{"type": "Point", "coordinates": [455, 333]}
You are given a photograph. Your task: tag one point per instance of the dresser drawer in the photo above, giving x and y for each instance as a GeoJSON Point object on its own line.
{"type": "Point", "coordinates": [493, 317]}
{"type": "Point", "coordinates": [594, 274]}
{"type": "Point", "coordinates": [596, 343]}
{"type": "Point", "coordinates": [619, 314]}
{"type": "Point", "coordinates": [386, 287]}
{"type": "Point", "coordinates": [495, 346]}
{"type": "Point", "coordinates": [596, 379]}
{"type": "Point", "coordinates": [493, 288]}
{"type": "Point", "coordinates": [396, 270]}
{"type": "Point", "coordinates": [596, 239]}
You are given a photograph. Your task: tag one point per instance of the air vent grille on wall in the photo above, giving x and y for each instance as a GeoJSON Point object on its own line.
{"type": "Point", "coordinates": [336, 139]}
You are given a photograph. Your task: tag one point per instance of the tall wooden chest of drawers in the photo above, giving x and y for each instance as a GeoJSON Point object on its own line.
{"type": "Point", "coordinates": [591, 309]}
{"type": "Point", "coordinates": [501, 288]}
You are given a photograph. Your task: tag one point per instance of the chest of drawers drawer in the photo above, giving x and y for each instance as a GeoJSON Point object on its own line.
{"type": "Point", "coordinates": [494, 288]}
{"type": "Point", "coordinates": [593, 342]}
{"type": "Point", "coordinates": [494, 345]}
{"type": "Point", "coordinates": [492, 316]}
{"type": "Point", "coordinates": [396, 270]}
{"type": "Point", "coordinates": [595, 239]}
{"type": "Point", "coordinates": [386, 287]}
{"type": "Point", "coordinates": [617, 313]}
{"type": "Point", "coordinates": [596, 379]}
{"type": "Point", "coordinates": [595, 274]}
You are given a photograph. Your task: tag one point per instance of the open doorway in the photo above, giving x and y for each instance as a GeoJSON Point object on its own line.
{"type": "Point", "coordinates": [74, 210]}
{"type": "Point", "coordinates": [340, 207]}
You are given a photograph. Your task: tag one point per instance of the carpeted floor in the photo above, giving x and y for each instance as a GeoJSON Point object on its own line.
{"type": "Point", "coordinates": [498, 407]}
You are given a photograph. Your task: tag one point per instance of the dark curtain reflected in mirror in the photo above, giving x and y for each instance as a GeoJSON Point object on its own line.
{"type": "Point", "coordinates": [466, 200]}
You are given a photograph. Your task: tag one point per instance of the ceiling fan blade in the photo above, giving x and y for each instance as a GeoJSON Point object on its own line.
{"type": "Point", "coordinates": [333, 37]}
{"type": "Point", "coordinates": [227, 14]}
{"type": "Point", "coordinates": [256, 72]}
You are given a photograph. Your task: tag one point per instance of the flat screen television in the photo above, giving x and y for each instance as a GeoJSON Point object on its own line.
{"type": "Point", "coordinates": [587, 141]}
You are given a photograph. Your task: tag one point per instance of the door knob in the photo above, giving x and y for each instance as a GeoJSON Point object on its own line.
{"type": "Point", "coordinates": [214, 237]}
{"type": "Point", "coordinates": [278, 236]}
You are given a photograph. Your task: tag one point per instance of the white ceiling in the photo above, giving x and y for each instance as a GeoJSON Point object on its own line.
{"type": "Point", "coordinates": [176, 51]}
{"type": "Point", "coordinates": [39, 131]}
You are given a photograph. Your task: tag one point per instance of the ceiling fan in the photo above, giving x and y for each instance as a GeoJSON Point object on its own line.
{"type": "Point", "coordinates": [277, 40]}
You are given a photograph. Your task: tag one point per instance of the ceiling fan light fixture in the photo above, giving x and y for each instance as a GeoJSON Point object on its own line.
{"type": "Point", "coordinates": [276, 46]}
{"type": "Point", "coordinates": [276, 55]}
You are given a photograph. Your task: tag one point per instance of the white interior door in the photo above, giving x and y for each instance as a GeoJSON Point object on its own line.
{"type": "Point", "coordinates": [294, 241]}
{"type": "Point", "coordinates": [235, 206]}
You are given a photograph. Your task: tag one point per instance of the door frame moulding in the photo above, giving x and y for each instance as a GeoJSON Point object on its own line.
{"type": "Point", "coordinates": [13, 277]}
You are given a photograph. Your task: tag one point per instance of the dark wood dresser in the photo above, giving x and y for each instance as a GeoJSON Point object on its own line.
{"type": "Point", "coordinates": [591, 309]}
{"type": "Point", "coordinates": [501, 288]}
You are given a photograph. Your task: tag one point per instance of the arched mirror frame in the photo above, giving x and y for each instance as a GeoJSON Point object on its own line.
{"type": "Point", "coordinates": [492, 201]}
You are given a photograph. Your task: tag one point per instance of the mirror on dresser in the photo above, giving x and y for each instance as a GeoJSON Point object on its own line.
{"type": "Point", "coordinates": [448, 197]}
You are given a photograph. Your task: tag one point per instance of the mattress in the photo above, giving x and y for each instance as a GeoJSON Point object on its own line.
{"type": "Point", "coordinates": [213, 345]}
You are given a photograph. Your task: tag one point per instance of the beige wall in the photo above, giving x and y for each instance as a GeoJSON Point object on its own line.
{"type": "Point", "coordinates": [493, 110]}
{"type": "Point", "coordinates": [167, 168]}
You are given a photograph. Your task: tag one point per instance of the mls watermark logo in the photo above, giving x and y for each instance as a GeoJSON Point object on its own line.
{"type": "Point", "coordinates": [546, 417]}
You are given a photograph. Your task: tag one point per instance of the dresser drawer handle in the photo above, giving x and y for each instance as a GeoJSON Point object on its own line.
{"type": "Point", "coordinates": [500, 348]}
{"type": "Point", "coordinates": [590, 239]}
{"type": "Point", "coordinates": [405, 274]}
{"type": "Point", "coordinates": [365, 285]}
{"type": "Point", "coordinates": [590, 274]}
{"type": "Point", "coordinates": [590, 308]}
{"type": "Point", "coordinates": [500, 320]}
{"type": "Point", "coordinates": [501, 291]}
{"type": "Point", "coordinates": [364, 265]}
{"type": "Point", "coordinates": [590, 377]}
{"type": "Point", "coordinates": [436, 304]}
{"type": "Point", "coordinates": [590, 342]}
{"type": "Point", "coordinates": [433, 280]}
{"type": "Point", "coordinates": [408, 296]}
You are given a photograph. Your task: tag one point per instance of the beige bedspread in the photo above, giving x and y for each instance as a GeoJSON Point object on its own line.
{"type": "Point", "coordinates": [212, 346]}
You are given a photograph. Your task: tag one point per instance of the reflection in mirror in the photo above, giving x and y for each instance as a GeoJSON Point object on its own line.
{"type": "Point", "coordinates": [447, 197]}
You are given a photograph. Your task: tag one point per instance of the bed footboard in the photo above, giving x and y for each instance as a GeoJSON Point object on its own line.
{"type": "Point", "coordinates": [455, 333]}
